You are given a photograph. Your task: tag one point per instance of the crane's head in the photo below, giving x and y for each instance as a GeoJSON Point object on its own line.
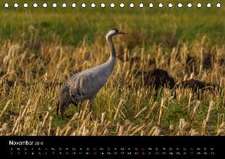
{"type": "Point", "coordinates": [113, 32]}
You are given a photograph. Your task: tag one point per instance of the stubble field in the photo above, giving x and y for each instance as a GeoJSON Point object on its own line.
{"type": "Point", "coordinates": [40, 49]}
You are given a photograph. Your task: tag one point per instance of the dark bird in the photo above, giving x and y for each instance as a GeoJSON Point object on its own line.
{"type": "Point", "coordinates": [156, 78]}
{"type": "Point", "coordinates": [197, 86]}
{"type": "Point", "coordinates": [86, 84]}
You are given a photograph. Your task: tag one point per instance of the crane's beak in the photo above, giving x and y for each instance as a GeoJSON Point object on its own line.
{"type": "Point", "coordinates": [122, 33]}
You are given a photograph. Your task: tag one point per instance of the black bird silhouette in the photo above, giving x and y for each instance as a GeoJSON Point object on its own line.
{"type": "Point", "coordinates": [156, 78]}
{"type": "Point", "coordinates": [197, 86]}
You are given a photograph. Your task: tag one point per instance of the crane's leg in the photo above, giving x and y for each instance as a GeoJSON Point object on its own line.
{"type": "Point", "coordinates": [60, 110]}
{"type": "Point", "coordinates": [61, 107]}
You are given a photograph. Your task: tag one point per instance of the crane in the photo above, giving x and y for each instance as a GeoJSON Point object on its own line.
{"type": "Point", "coordinates": [86, 84]}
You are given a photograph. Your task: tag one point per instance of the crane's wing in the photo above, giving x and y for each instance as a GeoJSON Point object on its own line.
{"type": "Point", "coordinates": [83, 86]}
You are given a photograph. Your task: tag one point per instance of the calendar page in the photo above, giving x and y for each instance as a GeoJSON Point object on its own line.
{"type": "Point", "coordinates": [93, 69]}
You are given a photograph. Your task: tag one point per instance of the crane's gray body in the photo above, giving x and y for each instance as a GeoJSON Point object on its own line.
{"type": "Point", "coordinates": [86, 84]}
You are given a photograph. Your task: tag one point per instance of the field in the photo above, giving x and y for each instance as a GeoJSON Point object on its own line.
{"type": "Point", "coordinates": [42, 48]}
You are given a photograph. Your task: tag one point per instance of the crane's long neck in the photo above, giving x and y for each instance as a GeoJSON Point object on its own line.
{"type": "Point", "coordinates": [112, 58]}
{"type": "Point", "coordinates": [111, 46]}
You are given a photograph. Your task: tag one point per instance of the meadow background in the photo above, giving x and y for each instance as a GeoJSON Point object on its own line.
{"type": "Point", "coordinates": [40, 48]}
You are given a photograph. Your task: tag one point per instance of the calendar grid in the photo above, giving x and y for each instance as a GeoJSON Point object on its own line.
{"type": "Point", "coordinates": [109, 147]}
{"type": "Point", "coordinates": [82, 151]}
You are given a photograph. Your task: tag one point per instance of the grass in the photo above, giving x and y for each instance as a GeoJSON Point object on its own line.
{"type": "Point", "coordinates": [42, 46]}
{"type": "Point", "coordinates": [155, 25]}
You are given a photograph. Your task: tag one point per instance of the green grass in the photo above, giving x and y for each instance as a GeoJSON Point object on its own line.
{"type": "Point", "coordinates": [70, 26]}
